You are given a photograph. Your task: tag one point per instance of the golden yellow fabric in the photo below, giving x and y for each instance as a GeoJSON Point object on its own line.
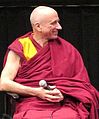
{"type": "Point", "coordinates": [29, 49]}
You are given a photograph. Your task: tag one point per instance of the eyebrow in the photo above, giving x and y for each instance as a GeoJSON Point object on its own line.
{"type": "Point", "coordinates": [58, 20]}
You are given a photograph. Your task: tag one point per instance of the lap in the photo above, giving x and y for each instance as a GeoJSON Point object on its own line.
{"type": "Point", "coordinates": [32, 114]}
{"type": "Point", "coordinates": [64, 112]}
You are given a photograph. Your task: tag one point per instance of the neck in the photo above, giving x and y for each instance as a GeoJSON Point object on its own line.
{"type": "Point", "coordinates": [41, 41]}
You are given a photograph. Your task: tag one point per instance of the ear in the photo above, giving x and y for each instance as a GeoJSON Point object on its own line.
{"type": "Point", "coordinates": [38, 26]}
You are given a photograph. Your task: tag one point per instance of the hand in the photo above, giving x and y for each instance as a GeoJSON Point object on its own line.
{"type": "Point", "coordinates": [53, 95]}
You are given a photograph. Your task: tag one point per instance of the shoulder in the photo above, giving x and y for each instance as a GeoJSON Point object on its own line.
{"type": "Point", "coordinates": [69, 48]}
{"type": "Point", "coordinates": [21, 37]}
{"type": "Point", "coordinates": [66, 44]}
{"type": "Point", "coordinates": [16, 43]}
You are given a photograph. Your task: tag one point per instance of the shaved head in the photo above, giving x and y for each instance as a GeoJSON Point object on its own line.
{"type": "Point", "coordinates": [40, 13]}
{"type": "Point", "coordinates": [45, 23]}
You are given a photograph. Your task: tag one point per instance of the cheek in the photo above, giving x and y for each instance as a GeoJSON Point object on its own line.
{"type": "Point", "coordinates": [48, 30]}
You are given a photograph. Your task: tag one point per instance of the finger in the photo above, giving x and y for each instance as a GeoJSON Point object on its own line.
{"type": "Point", "coordinates": [53, 100]}
{"type": "Point", "coordinates": [52, 97]}
{"type": "Point", "coordinates": [52, 87]}
{"type": "Point", "coordinates": [53, 92]}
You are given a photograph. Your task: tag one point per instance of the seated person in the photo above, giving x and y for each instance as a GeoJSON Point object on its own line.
{"type": "Point", "coordinates": [42, 55]}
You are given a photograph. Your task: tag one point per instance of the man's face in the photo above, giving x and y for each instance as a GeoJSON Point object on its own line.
{"type": "Point", "coordinates": [50, 26]}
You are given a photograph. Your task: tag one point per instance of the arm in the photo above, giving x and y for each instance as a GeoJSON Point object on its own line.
{"type": "Point", "coordinates": [9, 73]}
{"type": "Point", "coordinates": [8, 84]}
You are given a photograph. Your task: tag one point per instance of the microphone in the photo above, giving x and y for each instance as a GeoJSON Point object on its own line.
{"type": "Point", "coordinates": [43, 83]}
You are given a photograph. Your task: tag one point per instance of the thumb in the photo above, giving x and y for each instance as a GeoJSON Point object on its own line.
{"type": "Point", "coordinates": [52, 87]}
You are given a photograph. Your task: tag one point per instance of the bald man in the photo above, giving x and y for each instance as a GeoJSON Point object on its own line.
{"type": "Point", "coordinates": [43, 55]}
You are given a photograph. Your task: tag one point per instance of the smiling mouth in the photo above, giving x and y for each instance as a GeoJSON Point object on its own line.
{"type": "Point", "coordinates": [55, 32]}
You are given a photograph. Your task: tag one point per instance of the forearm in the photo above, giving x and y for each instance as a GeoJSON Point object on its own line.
{"type": "Point", "coordinates": [13, 87]}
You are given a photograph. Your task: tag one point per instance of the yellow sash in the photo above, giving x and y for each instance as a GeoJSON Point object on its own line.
{"type": "Point", "coordinates": [29, 49]}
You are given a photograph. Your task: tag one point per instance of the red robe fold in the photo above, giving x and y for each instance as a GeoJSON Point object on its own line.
{"type": "Point", "coordinates": [60, 64]}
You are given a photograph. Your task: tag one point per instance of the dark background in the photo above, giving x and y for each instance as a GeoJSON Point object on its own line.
{"type": "Point", "coordinates": [80, 22]}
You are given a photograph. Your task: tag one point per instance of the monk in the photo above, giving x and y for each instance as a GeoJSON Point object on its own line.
{"type": "Point", "coordinates": [42, 55]}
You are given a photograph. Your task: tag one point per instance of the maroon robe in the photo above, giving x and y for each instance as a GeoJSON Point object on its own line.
{"type": "Point", "coordinates": [60, 64]}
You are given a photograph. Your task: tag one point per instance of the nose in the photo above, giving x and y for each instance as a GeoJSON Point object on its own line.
{"type": "Point", "coordinates": [59, 26]}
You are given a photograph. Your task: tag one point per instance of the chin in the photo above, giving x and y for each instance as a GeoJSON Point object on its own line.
{"type": "Point", "coordinates": [54, 37]}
